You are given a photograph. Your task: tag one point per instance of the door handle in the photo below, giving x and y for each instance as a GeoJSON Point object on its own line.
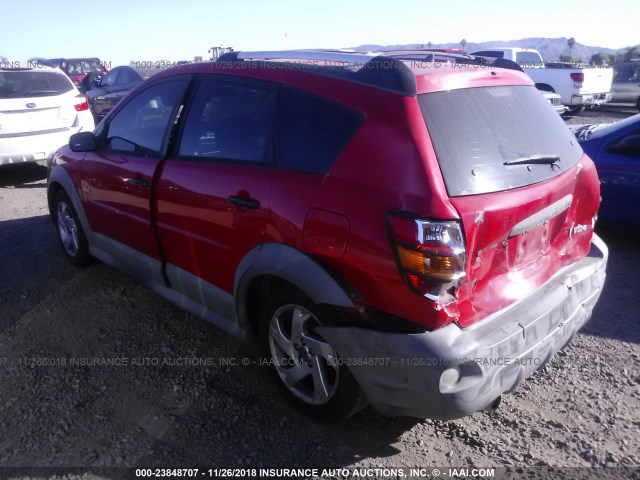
{"type": "Point", "coordinates": [139, 182]}
{"type": "Point", "coordinates": [244, 202]}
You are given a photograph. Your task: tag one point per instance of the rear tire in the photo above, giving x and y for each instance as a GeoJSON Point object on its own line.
{"type": "Point", "coordinates": [304, 366]}
{"type": "Point", "coordinates": [70, 233]}
{"type": "Point", "coordinates": [572, 111]}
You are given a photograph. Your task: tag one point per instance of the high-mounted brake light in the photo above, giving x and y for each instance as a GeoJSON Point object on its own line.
{"type": "Point", "coordinates": [82, 103]}
{"type": "Point", "coordinates": [428, 252]}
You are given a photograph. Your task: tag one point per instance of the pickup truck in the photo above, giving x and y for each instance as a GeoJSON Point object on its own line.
{"type": "Point", "coordinates": [578, 87]}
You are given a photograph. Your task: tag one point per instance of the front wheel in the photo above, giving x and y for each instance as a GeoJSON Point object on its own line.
{"type": "Point", "coordinates": [303, 364]}
{"type": "Point", "coordinates": [72, 238]}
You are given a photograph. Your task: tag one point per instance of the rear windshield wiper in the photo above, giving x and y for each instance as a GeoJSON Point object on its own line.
{"type": "Point", "coordinates": [535, 160]}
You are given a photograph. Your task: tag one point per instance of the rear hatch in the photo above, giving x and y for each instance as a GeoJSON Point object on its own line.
{"type": "Point", "coordinates": [35, 101]}
{"type": "Point", "coordinates": [596, 80]}
{"type": "Point", "coordinates": [525, 193]}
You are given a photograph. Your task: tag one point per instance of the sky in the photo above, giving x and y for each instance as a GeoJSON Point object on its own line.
{"type": "Point", "coordinates": [119, 31]}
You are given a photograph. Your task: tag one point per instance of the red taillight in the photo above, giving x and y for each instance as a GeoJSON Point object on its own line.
{"type": "Point", "coordinates": [83, 105]}
{"type": "Point", "coordinates": [428, 252]}
{"type": "Point", "coordinates": [577, 77]}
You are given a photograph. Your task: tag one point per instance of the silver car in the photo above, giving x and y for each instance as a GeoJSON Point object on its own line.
{"type": "Point", "coordinates": [625, 89]}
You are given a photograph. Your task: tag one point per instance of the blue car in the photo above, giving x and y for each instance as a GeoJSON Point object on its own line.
{"type": "Point", "coordinates": [615, 149]}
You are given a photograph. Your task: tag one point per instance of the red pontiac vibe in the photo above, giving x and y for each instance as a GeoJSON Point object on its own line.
{"type": "Point", "coordinates": [410, 230]}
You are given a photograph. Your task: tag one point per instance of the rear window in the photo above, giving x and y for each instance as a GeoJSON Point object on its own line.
{"type": "Point", "coordinates": [528, 59]}
{"type": "Point", "coordinates": [33, 83]}
{"type": "Point", "coordinates": [475, 131]}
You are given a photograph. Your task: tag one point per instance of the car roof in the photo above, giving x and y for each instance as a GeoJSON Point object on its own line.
{"type": "Point", "coordinates": [406, 72]}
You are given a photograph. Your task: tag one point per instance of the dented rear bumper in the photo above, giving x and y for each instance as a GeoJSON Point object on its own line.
{"type": "Point", "coordinates": [453, 372]}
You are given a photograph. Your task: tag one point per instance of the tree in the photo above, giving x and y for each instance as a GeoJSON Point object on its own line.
{"type": "Point", "coordinates": [463, 42]}
{"type": "Point", "coordinates": [571, 42]}
{"type": "Point", "coordinates": [429, 44]}
{"type": "Point", "coordinates": [566, 58]}
{"type": "Point", "coordinates": [602, 59]}
{"type": "Point", "coordinates": [631, 53]}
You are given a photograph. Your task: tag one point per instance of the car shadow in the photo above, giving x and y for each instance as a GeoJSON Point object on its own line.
{"type": "Point", "coordinates": [22, 175]}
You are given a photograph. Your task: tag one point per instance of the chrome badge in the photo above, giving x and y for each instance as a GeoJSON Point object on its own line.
{"type": "Point", "coordinates": [30, 105]}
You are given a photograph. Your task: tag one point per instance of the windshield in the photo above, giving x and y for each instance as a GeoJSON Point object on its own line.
{"type": "Point", "coordinates": [33, 83]}
{"type": "Point", "coordinates": [81, 67]}
{"type": "Point", "coordinates": [496, 138]}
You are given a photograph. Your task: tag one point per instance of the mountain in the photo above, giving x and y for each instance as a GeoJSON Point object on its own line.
{"type": "Point", "coordinates": [549, 48]}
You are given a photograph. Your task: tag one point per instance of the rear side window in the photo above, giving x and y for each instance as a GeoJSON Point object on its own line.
{"type": "Point", "coordinates": [489, 53]}
{"type": "Point", "coordinates": [33, 83]}
{"type": "Point", "coordinates": [126, 77]}
{"type": "Point", "coordinates": [110, 79]}
{"type": "Point", "coordinates": [313, 130]}
{"type": "Point", "coordinates": [231, 121]}
{"type": "Point", "coordinates": [528, 59]}
{"type": "Point", "coordinates": [475, 131]}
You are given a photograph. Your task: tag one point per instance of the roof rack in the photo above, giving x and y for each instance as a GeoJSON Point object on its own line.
{"type": "Point", "coordinates": [340, 57]}
{"type": "Point", "coordinates": [384, 70]}
{"type": "Point", "coordinates": [451, 57]}
{"type": "Point", "coordinates": [380, 72]}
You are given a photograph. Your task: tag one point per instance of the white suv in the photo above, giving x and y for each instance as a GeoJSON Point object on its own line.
{"type": "Point", "coordinates": [40, 109]}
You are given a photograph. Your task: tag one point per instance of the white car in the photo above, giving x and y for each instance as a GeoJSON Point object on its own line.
{"type": "Point", "coordinates": [40, 109]}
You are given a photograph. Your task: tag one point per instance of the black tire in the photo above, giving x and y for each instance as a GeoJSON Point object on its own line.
{"type": "Point", "coordinates": [70, 233]}
{"type": "Point", "coordinates": [303, 356]}
{"type": "Point", "coordinates": [572, 111]}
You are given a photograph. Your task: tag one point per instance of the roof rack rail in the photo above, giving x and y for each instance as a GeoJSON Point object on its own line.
{"type": "Point", "coordinates": [340, 56]}
{"type": "Point", "coordinates": [453, 57]}
{"type": "Point", "coordinates": [367, 68]}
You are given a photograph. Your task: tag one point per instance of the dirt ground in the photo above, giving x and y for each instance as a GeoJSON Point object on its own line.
{"type": "Point", "coordinates": [98, 371]}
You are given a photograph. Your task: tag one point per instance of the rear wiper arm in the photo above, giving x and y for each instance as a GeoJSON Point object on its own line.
{"type": "Point", "coordinates": [535, 160]}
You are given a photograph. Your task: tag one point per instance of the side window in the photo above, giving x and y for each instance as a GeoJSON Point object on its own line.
{"type": "Point", "coordinates": [110, 79]}
{"type": "Point", "coordinates": [313, 130]}
{"type": "Point", "coordinates": [489, 53]}
{"type": "Point", "coordinates": [126, 77]}
{"type": "Point", "coordinates": [230, 121]}
{"type": "Point", "coordinates": [528, 59]}
{"type": "Point", "coordinates": [142, 124]}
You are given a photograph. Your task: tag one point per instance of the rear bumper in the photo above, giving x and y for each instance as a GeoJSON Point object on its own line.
{"type": "Point", "coordinates": [453, 372]}
{"type": "Point", "coordinates": [590, 99]}
{"type": "Point", "coordinates": [40, 147]}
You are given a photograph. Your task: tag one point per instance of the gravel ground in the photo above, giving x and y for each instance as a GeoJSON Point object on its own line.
{"type": "Point", "coordinates": [59, 406]}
